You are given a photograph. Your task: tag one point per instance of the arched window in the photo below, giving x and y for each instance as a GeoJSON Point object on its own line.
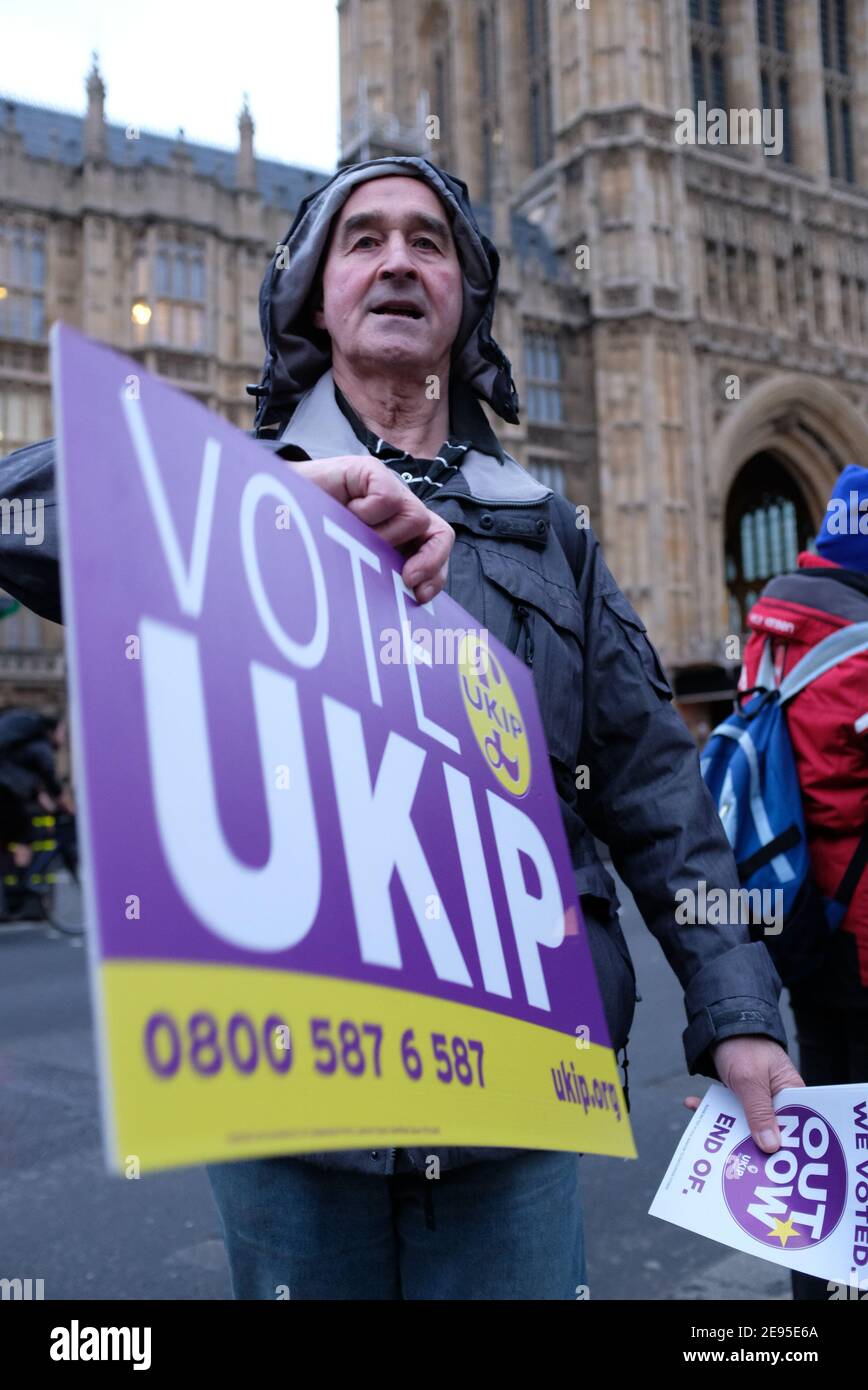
{"type": "Point", "coordinates": [543, 371]}
{"type": "Point", "coordinates": [22, 281]}
{"type": "Point", "coordinates": [707, 54]}
{"type": "Point", "coordinates": [767, 524]}
{"type": "Point", "coordinates": [487, 163]}
{"type": "Point", "coordinates": [775, 74]}
{"type": "Point", "coordinates": [179, 281]}
{"type": "Point", "coordinates": [489, 95]}
{"type": "Point", "coordinates": [436, 64]}
{"type": "Point", "coordinates": [540, 86]}
{"type": "Point", "coordinates": [483, 56]}
{"type": "Point", "coordinates": [838, 81]}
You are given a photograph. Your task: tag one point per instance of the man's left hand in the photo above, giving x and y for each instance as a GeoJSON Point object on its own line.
{"type": "Point", "coordinates": [755, 1069]}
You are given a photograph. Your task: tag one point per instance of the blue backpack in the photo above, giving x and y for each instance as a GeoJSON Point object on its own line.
{"type": "Point", "coordinates": [750, 769]}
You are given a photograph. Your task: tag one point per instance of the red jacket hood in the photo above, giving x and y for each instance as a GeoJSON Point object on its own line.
{"type": "Point", "coordinates": [808, 560]}
{"type": "Point", "coordinates": [793, 606]}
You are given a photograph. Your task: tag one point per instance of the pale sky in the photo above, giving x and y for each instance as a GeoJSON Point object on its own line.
{"type": "Point", "coordinates": [171, 63]}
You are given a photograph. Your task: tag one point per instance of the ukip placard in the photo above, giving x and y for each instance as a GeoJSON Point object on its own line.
{"type": "Point", "coordinates": [329, 898]}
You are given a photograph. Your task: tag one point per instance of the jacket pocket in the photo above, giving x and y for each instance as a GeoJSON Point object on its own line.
{"type": "Point", "coordinates": [543, 623]}
{"type": "Point", "coordinates": [523, 580]}
{"type": "Point", "coordinates": [637, 635]}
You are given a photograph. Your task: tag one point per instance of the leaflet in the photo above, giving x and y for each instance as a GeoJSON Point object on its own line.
{"type": "Point", "coordinates": [804, 1206]}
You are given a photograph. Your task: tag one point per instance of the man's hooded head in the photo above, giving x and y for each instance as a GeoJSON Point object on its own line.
{"type": "Point", "coordinates": [298, 352]}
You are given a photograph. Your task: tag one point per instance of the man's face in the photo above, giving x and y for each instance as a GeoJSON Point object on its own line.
{"type": "Point", "coordinates": [392, 284]}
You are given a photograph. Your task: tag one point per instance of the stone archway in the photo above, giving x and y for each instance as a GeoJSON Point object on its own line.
{"type": "Point", "coordinates": [805, 422]}
{"type": "Point", "coordinates": [812, 431]}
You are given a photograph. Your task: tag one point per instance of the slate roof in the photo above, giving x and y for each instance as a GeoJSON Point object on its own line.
{"type": "Point", "coordinates": [50, 134]}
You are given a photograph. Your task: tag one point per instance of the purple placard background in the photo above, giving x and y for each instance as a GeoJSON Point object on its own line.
{"type": "Point", "coordinates": [116, 574]}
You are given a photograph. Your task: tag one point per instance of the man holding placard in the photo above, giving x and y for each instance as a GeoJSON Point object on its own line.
{"type": "Point", "coordinates": [377, 315]}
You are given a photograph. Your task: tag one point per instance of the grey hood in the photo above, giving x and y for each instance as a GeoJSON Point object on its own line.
{"type": "Point", "coordinates": [295, 355]}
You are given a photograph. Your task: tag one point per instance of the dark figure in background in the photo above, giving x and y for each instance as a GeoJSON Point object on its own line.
{"type": "Point", "coordinates": [28, 744]}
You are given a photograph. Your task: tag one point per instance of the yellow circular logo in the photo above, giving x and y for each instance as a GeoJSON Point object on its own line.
{"type": "Point", "coordinates": [494, 714]}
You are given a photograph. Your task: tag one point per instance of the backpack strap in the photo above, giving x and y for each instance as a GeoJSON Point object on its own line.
{"type": "Point", "coordinates": [788, 839]}
{"type": "Point", "coordinates": [837, 647]}
{"type": "Point", "coordinates": [765, 673]}
{"type": "Point", "coordinates": [855, 869]}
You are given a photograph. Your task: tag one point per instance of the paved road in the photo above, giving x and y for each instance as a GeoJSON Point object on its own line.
{"type": "Point", "coordinates": [93, 1236]}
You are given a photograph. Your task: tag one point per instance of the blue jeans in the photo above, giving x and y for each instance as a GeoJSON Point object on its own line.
{"type": "Point", "coordinates": [505, 1229]}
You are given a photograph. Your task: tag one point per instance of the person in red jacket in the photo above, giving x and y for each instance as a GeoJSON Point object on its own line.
{"type": "Point", "coordinates": [828, 726]}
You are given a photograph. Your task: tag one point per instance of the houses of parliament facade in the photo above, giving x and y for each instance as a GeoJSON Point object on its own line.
{"type": "Point", "coordinates": [687, 318]}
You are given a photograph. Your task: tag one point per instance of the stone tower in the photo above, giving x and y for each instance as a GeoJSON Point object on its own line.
{"type": "Point", "coordinates": [687, 317]}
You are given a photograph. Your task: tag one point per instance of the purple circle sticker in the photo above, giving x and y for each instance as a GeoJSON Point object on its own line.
{"type": "Point", "coordinates": [794, 1198]}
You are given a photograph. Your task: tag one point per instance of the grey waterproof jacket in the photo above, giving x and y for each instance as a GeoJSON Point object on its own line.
{"type": "Point", "coordinates": [524, 571]}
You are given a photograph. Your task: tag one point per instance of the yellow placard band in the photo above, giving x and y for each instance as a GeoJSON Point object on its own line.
{"type": "Point", "coordinates": [212, 1062]}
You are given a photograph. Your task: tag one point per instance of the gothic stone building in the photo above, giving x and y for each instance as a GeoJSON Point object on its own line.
{"type": "Point", "coordinates": [698, 375]}
{"type": "Point", "coordinates": [149, 243]}
{"type": "Point", "coordinates": [688, 321]}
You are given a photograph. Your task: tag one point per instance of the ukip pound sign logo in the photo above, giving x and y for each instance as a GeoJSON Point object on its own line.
{"type": "Point", "coordinates": [739, 1164]}
{"type": "Point", "coordinates": [495, 717]}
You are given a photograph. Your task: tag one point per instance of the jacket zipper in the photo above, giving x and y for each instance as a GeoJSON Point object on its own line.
{"type": "Point", "coordinates": [521, 619]}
